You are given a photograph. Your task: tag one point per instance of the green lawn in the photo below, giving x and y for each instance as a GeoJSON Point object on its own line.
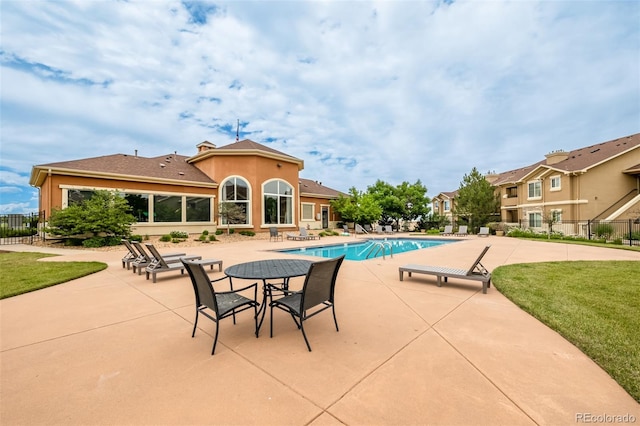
{"type": "Point", "coordinates": [593, 304]}
{"type": "Point", "coordinates": [21, 272]}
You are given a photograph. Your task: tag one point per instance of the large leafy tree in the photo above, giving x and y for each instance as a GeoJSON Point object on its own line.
{"type": "Point", "coordinates": [477, 201]}
{"type": "Point", "coordinates": [105, 213]}
{"type": "Point", "coordinates": [406, 201]}
{"type": "Point", "coordinates": [386, 196]}
{"type": "Point", "coordinates": [415, 203]}
{"type": "Point", "coordinates": [358, 207]}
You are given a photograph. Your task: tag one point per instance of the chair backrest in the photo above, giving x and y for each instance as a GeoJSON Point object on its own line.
{"type": "Point", "coordinates": [448, 229]}
{"type": "Point", "coordinates": [143, 253]}
{"type": "Point", "coordinates": [367, 227]}
{"type": "Point", "coordinates": [273, 232]}
{"type": "Point", "coordinates": [387, 228]}
{"type": "Point", "coordinates": [345, 228]}
{"type": "Point", "coordinates": [360, 229]}
{"type": "Point", "coordinates": [462, 229]}
{"type": "Point", "coordinates": [303, 232]}
{"type": "Point", "coordinates": [129, 247]}
{"type": "Point", "coordinates": [204, 292]}
{"type": "Point", "coordinates": [378, 228]}
{"type": "Point", "coordinates": [477, 263]}
{"type": "Point", "coordinates": [484, 230]}
{"type": "Point", "coordinates": [156, 255]}
{"type": "Point", "coordinates": [320, 282]}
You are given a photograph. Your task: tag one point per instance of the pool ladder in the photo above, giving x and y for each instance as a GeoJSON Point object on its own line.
{"type": "Point", "coordinates": [377, 247]}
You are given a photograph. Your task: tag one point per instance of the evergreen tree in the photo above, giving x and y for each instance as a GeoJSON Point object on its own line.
{"type": "Point", "coordinates": [477, 201]}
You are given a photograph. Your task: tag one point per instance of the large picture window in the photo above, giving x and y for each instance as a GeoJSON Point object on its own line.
{"type": "Point", "coordinates": [167, 208]}
{"type": "Point", "coordinates": [198, 209]}
{"type": "Point", "coordinates": [278, 203]}
{"type": "Point", "coordinates": [139, 206]}
{"type": "Point", "coordinates": [236, 190]}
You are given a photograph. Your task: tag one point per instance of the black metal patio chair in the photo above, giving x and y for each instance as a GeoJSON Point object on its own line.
{"type": "Point", "coordinates": [317, 295]}
{"type": "Point", "coordinates": [221, 304]}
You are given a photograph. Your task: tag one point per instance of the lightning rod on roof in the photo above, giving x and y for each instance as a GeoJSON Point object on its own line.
{"type": "Point", "coordinates": [238, 131]}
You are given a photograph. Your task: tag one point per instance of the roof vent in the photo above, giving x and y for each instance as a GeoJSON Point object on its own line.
{"type": "Point", "coordinates": [162, 165]}
{"type": "Point", "coordinates": [181, 173]}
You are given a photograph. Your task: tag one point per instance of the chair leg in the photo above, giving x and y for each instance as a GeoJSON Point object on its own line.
{"type": "Point", "coordinates": [333, 308]}
{"type": "Point", "coordinates": [305, 335]}
{"type": "Point", "coordinates": [270, 321]}
{"type": "Point", "coordinates": [255, 318]}
{"type": "Point", "coordinates": [215, 339]}
{"type": "Point", "coordinates": [195, 323]}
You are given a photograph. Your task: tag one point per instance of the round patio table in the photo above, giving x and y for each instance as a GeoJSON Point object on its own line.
{"type": "Point", "coordinates": [270, 269]}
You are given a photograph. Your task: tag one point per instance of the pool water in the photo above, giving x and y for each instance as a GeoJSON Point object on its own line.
{"type": "Point", "coordinates": [369, 248]}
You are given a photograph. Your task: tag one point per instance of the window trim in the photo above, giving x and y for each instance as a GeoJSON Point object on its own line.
{"type": "Point", "coordinates": [264, 207]}
{"type": "Point", "coordinates": [313, 212]}
{"type": "Point", "coordinates": [249, 201]}
{"type": "Point", "coordinates": [538, 185]}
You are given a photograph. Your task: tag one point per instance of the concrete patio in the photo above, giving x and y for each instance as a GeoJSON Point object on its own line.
{"type": "Point", "coordinates": [114, 348]}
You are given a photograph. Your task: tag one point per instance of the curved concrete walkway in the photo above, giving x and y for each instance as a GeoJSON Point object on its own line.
{"type": "Point", "coordinates": [114, 348]}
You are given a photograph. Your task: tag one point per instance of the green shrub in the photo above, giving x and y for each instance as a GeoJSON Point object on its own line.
{"type": "Point", "coordinates": [202, 238]}
{"type": "Point", "coordinates": [179, 235]}
{"type": "Point", "coordinates": [23, 232]}
{"type": "Point", "coordinates": [165, 238]}
{"type": "Point", "coordinates": [604, 230]}
{"type": "Point", "coordinates": [105, 213]}
{"type": "Point", "coordinates": [205, 232]}
{"type": "Point", "coordinates": [137, 238]}
{"type": "Point", "coordinates": [247, 233]}
{"type": "Point", "coordinates": [94, 242]}
{"type": "Point", "coordinates": [219, 231]}
{"type": "Point", "coordinates": [212, 238]}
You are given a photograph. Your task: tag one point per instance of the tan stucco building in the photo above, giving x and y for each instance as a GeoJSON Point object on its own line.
{"type": "Point", "coordinates": [175, 192]}
{"type": "Point", "coordinates": [598, 182]}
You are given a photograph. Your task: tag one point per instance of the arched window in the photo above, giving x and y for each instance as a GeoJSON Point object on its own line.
{"type": "Point", "coordinates": [235, 190]}
{"type": "Point", "coordinates": [278, 203]}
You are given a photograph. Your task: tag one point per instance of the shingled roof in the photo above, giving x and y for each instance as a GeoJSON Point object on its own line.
{"type": "Point", "coordinates": [170, 167]}
{"type": "Point", "coordinates": [311, 188]}
{"type": "Point", "coordinates": [578, 160]}
{"type": "Point", "coordinates": [248, 144]}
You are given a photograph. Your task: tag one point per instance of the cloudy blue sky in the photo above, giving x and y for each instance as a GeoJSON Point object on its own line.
{"type": "Point", "coordinates": [360, 90]}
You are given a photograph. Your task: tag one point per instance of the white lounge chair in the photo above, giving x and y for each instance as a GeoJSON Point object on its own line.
{"type": "Point", "coordinates": [305, 236]}
{"type": "Point", "coordinates": [448, 230]}
{"type": "Point", "coordinates": [476, 272]}
{"type": "Point", "coordinates": [484, 231]}
{"type": "Point", "coordinates": [462, 231]}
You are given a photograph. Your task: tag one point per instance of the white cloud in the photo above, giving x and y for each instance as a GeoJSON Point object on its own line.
{"type": "Point", "coordinates": [360, 91]}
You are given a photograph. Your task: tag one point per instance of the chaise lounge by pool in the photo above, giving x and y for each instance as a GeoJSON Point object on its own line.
{"type": "Point", "coordinates": [368, 249]}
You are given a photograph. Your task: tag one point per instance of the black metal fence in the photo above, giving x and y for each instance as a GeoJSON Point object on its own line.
{"type": "Point", "coordinates": [626, 232]}
{"type": "Point", "coordinates": [24, 228]}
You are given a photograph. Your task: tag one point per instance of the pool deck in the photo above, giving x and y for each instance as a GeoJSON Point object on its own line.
{"type": "Point", "coordinates": [114, 348]}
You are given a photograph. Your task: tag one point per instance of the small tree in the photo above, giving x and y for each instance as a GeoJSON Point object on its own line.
{"type": "Point", "coordinates": [105, 214]}
{"type": "Point", "coordinates": [477, 200]}
{"type": "Point", "coordinates": [231, 213]}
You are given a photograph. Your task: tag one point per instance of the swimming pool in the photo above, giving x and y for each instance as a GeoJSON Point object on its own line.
{"type": "Point", "coordinates": [369, 248]}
